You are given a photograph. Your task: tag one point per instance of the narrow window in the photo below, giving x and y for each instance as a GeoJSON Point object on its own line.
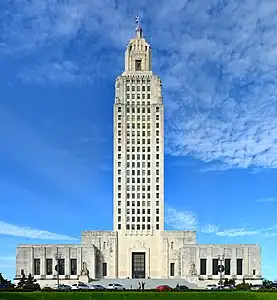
{"type": "Point", "coordinates": [138, 65]}
{"type": "Point", "coordinates": [227, 265]}
{"type": "Point", "coordinates": [239, 266]}
{"type": "Point", "coordinates": [36, 266]}
{"type": "Point", "coordinates": [215, 266]}
{"type": "Point", "coordinates": [203, 266]}
{"type": "Point", "coordinates": [172, 269]}
{"type": "Point", "coordinates": [73, 266]}
{"type": "Point", "coordinates": [104, 266]}
{"type": "Point", "coordinates": [49, 266]}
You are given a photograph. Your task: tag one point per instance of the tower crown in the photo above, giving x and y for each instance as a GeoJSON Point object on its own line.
{"type": "Point", "coordinates": [138, 56]}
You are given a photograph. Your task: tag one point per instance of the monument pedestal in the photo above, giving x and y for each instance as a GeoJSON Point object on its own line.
{"type": "Point", "coordinates": [84, 278]}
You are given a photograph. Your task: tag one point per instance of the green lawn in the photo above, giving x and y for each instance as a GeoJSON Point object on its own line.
{"type": "Point", "coordinates": [138, 296]}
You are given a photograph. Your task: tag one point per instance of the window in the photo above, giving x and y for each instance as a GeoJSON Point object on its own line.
{"type": "Point", "coordinates": [36, 266]}
{"type": "Point", "coordinates": [73, 266]}
{"type": "Point", "coordinates": [104, 268]}
{"type": "Point", "coordinates": [49, 266]}
{"type": "Point", "coordinates": [172, 269]}
{"type": "Point", "coordinates": [203, 266]}
{"type": "Point", "coordinates": [61, 266]}
{"type": "Point", "coordinates": [138, 64]}
{"type": "Point", "coordinates": [254, 272]}
{"type": "Point", "coordinates": [172, 244]}
{"type": "Point", "coordinates": [215, 266]}
{"type": "Point", "coordinates": [239, 266]}
{"type": "Point", "coordinates": [157, 226]}
{"type": "Point", "coordinates": [227, 265]}
{"type": "Point", "coordinates": [119, 227]}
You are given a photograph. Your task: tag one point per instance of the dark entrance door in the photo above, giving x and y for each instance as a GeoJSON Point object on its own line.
{"type": "Point", "coordinates": [138, 264]}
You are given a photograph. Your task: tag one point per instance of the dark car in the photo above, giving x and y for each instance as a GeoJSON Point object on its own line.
{"type": "Point", "coordinates": [181, 288]}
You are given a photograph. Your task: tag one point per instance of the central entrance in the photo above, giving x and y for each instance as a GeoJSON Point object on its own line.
{"type": "Point", "coordinates": [138, 265]}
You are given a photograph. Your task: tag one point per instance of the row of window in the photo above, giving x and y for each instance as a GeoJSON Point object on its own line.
{"type": "Point", "coordinates": [139, 227]}
{"type": "Point", "coordinates": [137, 196]}
{"type": "Point", "coordinates": [143, 211]}
{"type": "Point", "coordinates": [133, 172]}
{"type": "Point", "coordinates": [138, 156]}
{"type": "Point", "coordinates": [139, 149]}
{"type": "Point", "coordinates": [134, 133]}
{"type": "Point", "coordinates": [138, 219]}
{"type": "Point", "coordinates": [227, 266]}
{"type": "Point", "coordinates": [215, 263]}
{"type": "Point", "coordinates": [49, 263]}
{"type": "Point", "coordinates": [119, 109]}
{"type": "Point", "coordinates": [137, 96]}
{"type": "Point", "coordinates": [139, 141]}
{"type": "Point", "coordinates": [137, 88]}
{"type": "Point", "coordinates": [135, 80]}
{"type": "Point", "coordinates": [134, 203]}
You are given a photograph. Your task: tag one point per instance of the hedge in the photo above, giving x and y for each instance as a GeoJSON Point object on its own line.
{"type": "Point", "coordinates": [138, 296]}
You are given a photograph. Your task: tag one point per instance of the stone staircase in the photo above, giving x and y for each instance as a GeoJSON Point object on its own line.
{"type": "Point", "coordinates": [149, 283]}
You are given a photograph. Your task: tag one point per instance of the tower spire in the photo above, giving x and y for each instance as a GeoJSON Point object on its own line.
{"type": "Point", "coordinates": [138, 28]}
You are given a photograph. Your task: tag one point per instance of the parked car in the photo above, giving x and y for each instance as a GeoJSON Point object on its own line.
{"type": "Point", "coordinates": [162, 288]}
{"type": "Point", "coordinates": [79, 286]}
{"type": "Point", "coordinates": [211, 287]}
{"type": "Point", "coordinates": [256, 287]}
{"type": "Point", "coordinates": [97, 287]}
{"type": "Point", "coordinates": [63, 287]}
{"type": "Point", "coordinates": [181, 288]}
{"type": "Point", "coordinates": [115, 286]}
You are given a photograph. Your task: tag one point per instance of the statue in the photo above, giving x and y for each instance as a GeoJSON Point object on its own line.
{"type": "Point", "coordinates": [84, 271]}
{"type": "Point", "coordinates": [192, 271]}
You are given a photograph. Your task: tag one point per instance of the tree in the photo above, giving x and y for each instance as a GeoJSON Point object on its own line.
{"type": "Point", "coordinates": [4, 283]}
{"type": "Point", "coordinates": [28, 283]}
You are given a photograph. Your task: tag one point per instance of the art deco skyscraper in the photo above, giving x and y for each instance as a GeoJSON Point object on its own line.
{"type": "Point", "coordinates": [138, 144]}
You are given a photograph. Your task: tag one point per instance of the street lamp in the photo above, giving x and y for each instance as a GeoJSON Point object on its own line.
{"type": "Point", "coordinates": [221, 267]}
{"type": "Point", "coordinates": [57, 267]}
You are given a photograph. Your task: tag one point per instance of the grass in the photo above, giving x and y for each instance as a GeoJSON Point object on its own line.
{"type": "Point", "coordinates": [138, 296]}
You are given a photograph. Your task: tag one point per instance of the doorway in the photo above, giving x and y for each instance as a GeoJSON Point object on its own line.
{"type": "Point", "coordinates": [138, 265]}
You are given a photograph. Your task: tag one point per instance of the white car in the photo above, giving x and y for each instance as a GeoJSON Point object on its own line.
{"type": "Point", "coordinates": [80, 286]}
{"type": "Point", "coordinates": [211, 287]}
{"type": "Point", "coordinates": [115, 286]}
{"type": "Point", "coordinates": [63, 287]}
{"type": "Point", "coordinates": [97, 287]}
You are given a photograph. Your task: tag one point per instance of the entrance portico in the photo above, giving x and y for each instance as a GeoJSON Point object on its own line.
{"type": "Point", "coordinates": [138, 264]}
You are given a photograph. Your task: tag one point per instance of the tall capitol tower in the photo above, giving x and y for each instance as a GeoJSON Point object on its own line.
{"type": "Point", "coordinates": [138, 246]}
{"type": "Point", "coordinates": [138, 144]}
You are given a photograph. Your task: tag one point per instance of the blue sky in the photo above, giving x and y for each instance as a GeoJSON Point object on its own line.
{"type": "Point", "coordinates": [58, 64]}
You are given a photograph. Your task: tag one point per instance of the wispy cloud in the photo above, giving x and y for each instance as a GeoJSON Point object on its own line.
{"type": "Point", "coordinates": [14, 230]}
{"type": "Point", "coordinates": [182, 220]}
{"type": "Point", "coordinates": [56, 72]}
{"type": "Point", "coordinates": [267, 200]}
{"type": "Point", "coordinates": [218, 65]}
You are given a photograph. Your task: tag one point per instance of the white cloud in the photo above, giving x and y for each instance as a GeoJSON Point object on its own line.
{"type": "Point", "coordinates": [185, 220]}
{"type": "Point", "coordinates": [267, 200]}
{"type": "Point", "coordinates": [180, 219]}
{"type": "Point", "coordinates": [14, 230]}
{"type": "Point", "coordinates": [217, 60]}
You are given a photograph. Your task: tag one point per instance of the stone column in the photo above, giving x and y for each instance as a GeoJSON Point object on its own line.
{"type": "Point", "coordinates": [79, 260]}
{"type": "Point", "coordinates": [245, 262]}
{"type": "Point", "coordinates": [67, 261]}
{"type": "Point", "coordinates": [31, 262]}
{"type": "Point", "coordinates": [197, 260]}
{"type": "Point", "coordinates": [209, 261]}
{"type": "Point", "coordinates": [43, 261]}
{"type": "Point", "coordinates": [234, 262]}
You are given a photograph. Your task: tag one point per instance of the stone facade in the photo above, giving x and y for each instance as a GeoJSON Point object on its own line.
{"type": "Point", "coordinates": [168, 255]}
{"type": "Point", "coordinates": [139, 246]}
